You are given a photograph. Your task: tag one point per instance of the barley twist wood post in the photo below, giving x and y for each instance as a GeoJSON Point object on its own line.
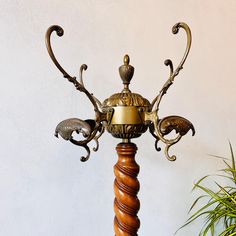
{"type": "Point", "coordinates": [126, 187]}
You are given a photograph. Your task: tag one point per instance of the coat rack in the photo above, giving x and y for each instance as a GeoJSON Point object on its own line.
{"type": "Point", "coordinates": [126, 115]}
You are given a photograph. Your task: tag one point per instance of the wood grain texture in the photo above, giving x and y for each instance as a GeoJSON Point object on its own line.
{"type": "Point", "coordinates": [126, 187]}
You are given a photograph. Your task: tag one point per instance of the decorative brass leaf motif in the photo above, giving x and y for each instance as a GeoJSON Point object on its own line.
{"type": "Point", "coordinates": [88, 128]}
{"type": "Point", "coordinates": [177, 123]}
{"type": "Point", "coordinates": [66, 127]}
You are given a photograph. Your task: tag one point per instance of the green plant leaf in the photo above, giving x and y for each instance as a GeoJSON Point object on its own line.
{"type": "Point", "coordinates": [198, 182]}
{"type": "Point", "coordinates": [220, 208]}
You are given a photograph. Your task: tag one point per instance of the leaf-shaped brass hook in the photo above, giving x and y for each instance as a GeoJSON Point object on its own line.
{"type": "Point", "coordinates": [173, 123]}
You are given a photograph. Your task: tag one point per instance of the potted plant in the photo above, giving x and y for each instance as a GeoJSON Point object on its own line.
{"type": "Point", "coordinates": [219, 208]}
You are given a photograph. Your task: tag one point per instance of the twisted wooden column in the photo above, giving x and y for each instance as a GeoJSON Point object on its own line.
{"type": "Point", "coordinates": [126, 187]}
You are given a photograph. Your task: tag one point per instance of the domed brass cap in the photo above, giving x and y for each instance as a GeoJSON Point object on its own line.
{"type": "Point", "coordinates": [127, 119]}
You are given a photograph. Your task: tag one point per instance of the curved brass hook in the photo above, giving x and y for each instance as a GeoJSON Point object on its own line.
{"type": "Point", "coordinates": [60, 32]}
{"type": "Point", "coordinates": [83, 143]}
{"type": "Point", "coordinates": [82, 68]}
{"type": "Point", "coordinates": [175, 30]}
{"type": "Point", "coordinates": [168, 142]}
{"type": "Point", "coordinates": [168, 62]}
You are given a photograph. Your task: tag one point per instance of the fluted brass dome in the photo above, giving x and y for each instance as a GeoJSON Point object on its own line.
{"type": "Point", "coordinates": [126, 99]}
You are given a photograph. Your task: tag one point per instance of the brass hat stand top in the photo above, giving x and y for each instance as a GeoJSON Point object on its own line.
{"type": "Point", "coordinates": [126, 115]}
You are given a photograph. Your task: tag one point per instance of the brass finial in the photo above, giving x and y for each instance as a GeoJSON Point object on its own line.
{"type": "Point", "coordinates": [126, 60]}
{"type": "Point", "coordinates": [126, 73]}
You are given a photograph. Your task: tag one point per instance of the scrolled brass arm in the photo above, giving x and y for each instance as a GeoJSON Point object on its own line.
{"type": "Point", "coordinates": [159, 128]}
{"type": "Point", "coordinates": [168, 62]}
{"type": "Point", "coordinates": [78, 84]}
{"type": "Point", "coordinates": [67, 127]}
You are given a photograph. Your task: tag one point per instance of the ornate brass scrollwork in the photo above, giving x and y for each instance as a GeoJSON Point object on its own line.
{"type": "Point", "coordinates": [159, 127]}
{"type": "Point", "coordinates": [125, 115]}
{"type": "Point", "coordinates": [89, 128]}
{"type": "Point", "coordinates": [168, 62]}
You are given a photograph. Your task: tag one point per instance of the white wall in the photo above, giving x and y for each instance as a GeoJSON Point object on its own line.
{"type": "Point", "coordinates": [44, 188]}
